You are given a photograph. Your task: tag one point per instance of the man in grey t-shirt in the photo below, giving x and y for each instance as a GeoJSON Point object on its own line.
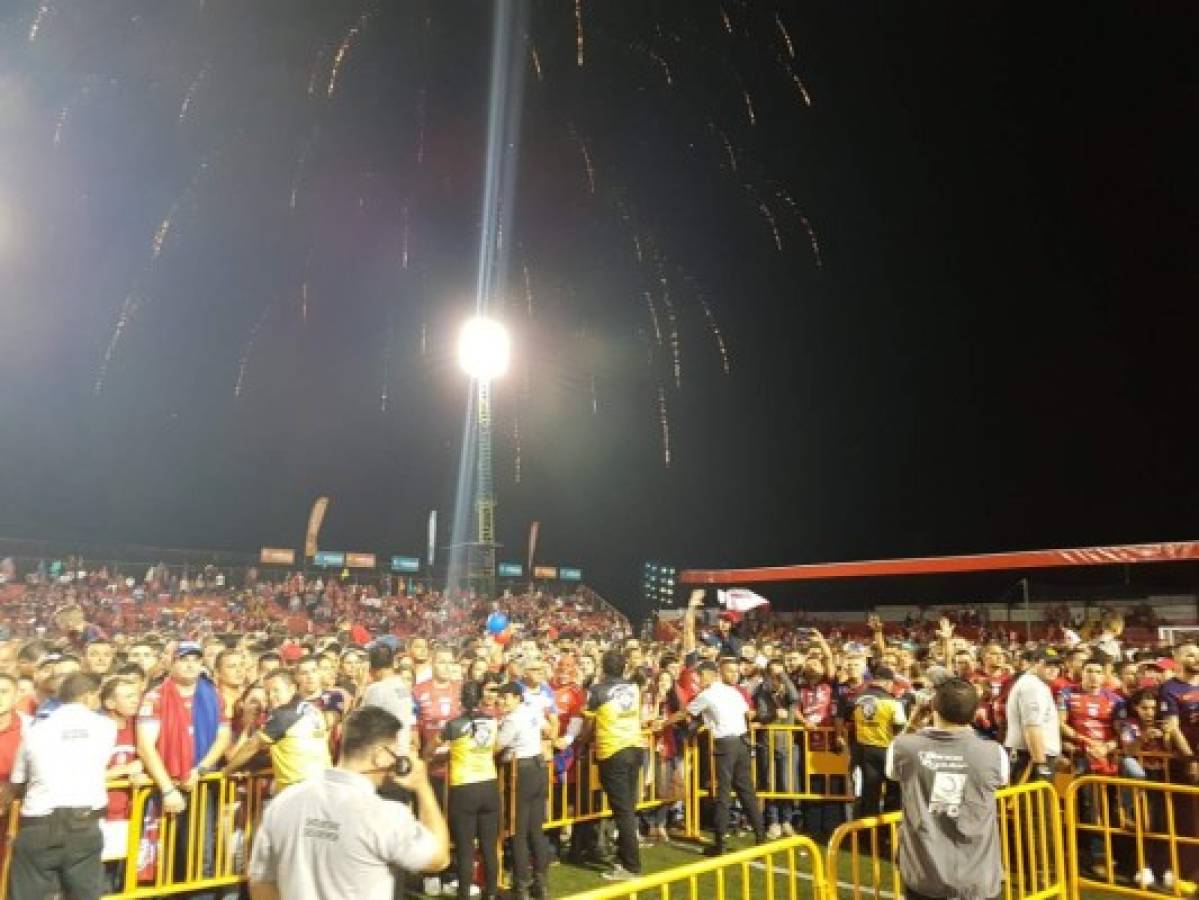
{"type": "Point", "coordinates": [332, 837]}
{"type": "Point", "coordinates": [949, 844]}
{"type": "Point", "coordinates": [387, 689]}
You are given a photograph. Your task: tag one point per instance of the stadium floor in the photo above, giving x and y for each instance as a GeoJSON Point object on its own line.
{"type": "Point", "coordinates": [567, 879]}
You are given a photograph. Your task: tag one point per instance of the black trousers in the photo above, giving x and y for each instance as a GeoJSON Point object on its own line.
{"type": "Point", "coordinates": [531, 791]}
{"type": "Point", "coordinates": [475, 816]}
{"type": "Point", "coordinates": [619, 775]}
{"type": "Point", "coordinates": [62, 848]}
{"type": "Point", "coordinates": [873, 763]}
{"type": "Point", "coordinates": [733, 775]}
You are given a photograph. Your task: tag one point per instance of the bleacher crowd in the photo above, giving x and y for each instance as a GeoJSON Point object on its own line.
{"type": "Point", "coordinates": [200, 678]}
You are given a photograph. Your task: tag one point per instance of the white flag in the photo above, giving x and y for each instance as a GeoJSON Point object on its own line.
{"type": "Point", "coordinates": [741, 599]}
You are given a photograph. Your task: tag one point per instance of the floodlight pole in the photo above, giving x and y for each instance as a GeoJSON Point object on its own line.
{"type": "Point", "coordinates": [485, 493]}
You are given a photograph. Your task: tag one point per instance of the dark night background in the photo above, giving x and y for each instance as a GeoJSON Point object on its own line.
{"type": "Point", "coordinates": [997, 352]}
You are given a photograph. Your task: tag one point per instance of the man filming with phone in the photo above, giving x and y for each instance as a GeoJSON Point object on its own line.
{"type": "Point", "coordinates": [332, 836]}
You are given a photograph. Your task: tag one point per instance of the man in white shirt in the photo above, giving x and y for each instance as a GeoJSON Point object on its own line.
{"type": "Point", "coordinates": [1034, 731]}
{"type": "Point", "coordinates": [62, 763]}
{"type": "Point", "coordinates": [724, 710]}
{"type": "Point", "coordinates": [333, 836]}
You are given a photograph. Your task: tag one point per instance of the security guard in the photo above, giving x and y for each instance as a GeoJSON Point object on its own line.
{"type": "Point", "coordinates": [724, 710]}
{"type": "Point", "coordinates": [62, 764]}
{"type": "Point", "coordinates": [474, 806]}
{"type": "Point", "coordinates": [877, 718]}
{"type": "Point", "coordinates": [613, 715]}
{"type": "Point", "coordinates": [521, 730]}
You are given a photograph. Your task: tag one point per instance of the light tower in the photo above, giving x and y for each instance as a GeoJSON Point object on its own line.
{"type": "Point", "coordinates": [483, 351]}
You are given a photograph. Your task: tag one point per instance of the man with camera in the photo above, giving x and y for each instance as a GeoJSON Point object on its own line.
{"type": "Point", "coordinates": [333, 836]}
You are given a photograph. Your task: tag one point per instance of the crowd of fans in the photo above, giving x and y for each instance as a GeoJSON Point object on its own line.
{"type": "Point", "coordinates": [199, 678]}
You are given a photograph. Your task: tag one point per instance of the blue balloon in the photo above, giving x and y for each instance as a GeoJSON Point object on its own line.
{"type": "Point", "coordinates": [496, 623]}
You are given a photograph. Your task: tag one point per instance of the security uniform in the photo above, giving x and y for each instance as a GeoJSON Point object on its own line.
{"type": "Point", "coordinates": [723, 709]}
{"type": "Point", "coordinates": [62, 763]}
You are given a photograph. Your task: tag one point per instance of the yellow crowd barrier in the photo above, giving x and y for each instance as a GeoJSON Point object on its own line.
{"type": "Point", "coordinates": [862, 855]}
{"type": "Point", "coordinates": [1142, 824]}
{"type": "Point", "coordinates": [577, 796]}
{"type": "Point", "coordinates": [790, 868]}
{"type": "Point", "coordinates": [786, 762]}
{"type": "Point", "coordinates": [1139, 824]}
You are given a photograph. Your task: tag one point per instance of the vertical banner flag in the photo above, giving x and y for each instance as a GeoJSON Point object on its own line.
{"type": "Point", "coordinates": [432, 535]}
{"type": "Point", "coordinates": [315, 518]}
{"type": "Point", "coordinates": [533, 530]}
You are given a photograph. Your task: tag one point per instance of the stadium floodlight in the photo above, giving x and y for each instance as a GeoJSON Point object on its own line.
{"type": "Point", "coordinates": [483, 348]}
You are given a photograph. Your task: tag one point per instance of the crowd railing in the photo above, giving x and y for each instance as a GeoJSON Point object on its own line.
{"type": "Point", "coordinates": [1046, 852]}
{"type": "Point", "coordinates": [790, 868]}
{"type": "Point", "coordinates": [1150, 825]}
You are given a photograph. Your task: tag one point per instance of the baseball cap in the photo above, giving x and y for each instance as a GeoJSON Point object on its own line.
{"type": "Point", "coordinates": [1043, 655]}
{"type": "Point", "coordinates": [509, 687]}
{"type": "Point", "coordinates": [188, 648]}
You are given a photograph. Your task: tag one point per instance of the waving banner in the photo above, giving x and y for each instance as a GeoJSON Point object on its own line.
{"type": "Point", "coordinates": [315, 518]}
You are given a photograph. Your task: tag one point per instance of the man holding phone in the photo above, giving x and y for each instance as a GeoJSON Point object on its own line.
{"type": "Point", "coordinates": [333, 836]}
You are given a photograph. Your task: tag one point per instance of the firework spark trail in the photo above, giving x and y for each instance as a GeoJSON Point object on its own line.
{"type": "Point", "coordinates": [662, 64]}
{"type": "Point", "coordinates": [664, 421]}
{"type": "Point", "coordinates": [653, 317]}
{"type": "Point", "coordinates": [387, 348]}
{"type": "Point", "coordinates": [750, 114]}
{"type": "Point", "coordinates": [60, 123]}
{"type": "Point", "coordinates": [800, 87]}
{"type": "Point", "coordinates": [778, 21]}
{"type": "Point", "coordinates": [728, 145]}
{"type": "Point", "coordinates": [812, 240]}
{"type": "Point", "coordinates": [587, 166]}
{"type": "Point", "coordinates": [248, 349]}
{"type": "Point", "coordinates": [783, 195]}
{"type": "Point", "coordinates": [190, 93]}
{"type": "Point", "coordinates": [129, 307]}
{"type": "Point", "coordinates": [314, 73]}
{"type": "Point", "coordinates": [424, 338]}
{"type": "Point", "coordinates": [298, 175]}
{"type": "Point", "coordinates": [676, 346]}
{"type": "Point", "coordinates": [717, 334]}
{"type": "Point", "coordinates": [774, 228]}
{"type": "Point", "coordinates": [594, 398]}
{"type": "Point", "coordinates": [516, 445]}
{"type": "Point", "coordinates": [535, 57]}
{"type": "Point", "coordinates": [36, 26]}
{"type": "Point", "coordinates": [724, 18]}
{"type": "Point", "coordinates": [137, 295]}
{"type": "Point", "coordinates": [404, 237]}
{"type": "Point", "coordinates": [343, 49]}
{"type": "Point", "coordinates": [579, 32]}
{"type": "Point", "coordinates": [528, 289]}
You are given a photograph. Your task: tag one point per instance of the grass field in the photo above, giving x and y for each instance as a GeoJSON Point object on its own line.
{"type": "Point", "coordinates": [748, 882]}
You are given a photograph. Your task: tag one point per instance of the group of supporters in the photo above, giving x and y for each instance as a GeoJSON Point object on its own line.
{"type": "Point", "coordinates": [339, 712]}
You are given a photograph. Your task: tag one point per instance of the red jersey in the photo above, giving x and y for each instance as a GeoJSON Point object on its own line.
{"type": "Point", "coordinates": [10, 742]}
{"type": "Point", "coordinates": [818, 706]}
{"type": "Point", "coordinates": [435, 705]}
{"type": "Point", "coordinates": [124, 751]}
{"type": "Point", "coordinates": [688, 685]}
{"type": "Point", "coordinates": [1060, 685]}
{"type": "Point", "coordinates": [992, 706]}
{"type": "Point", "coordinates": [1094, 716]}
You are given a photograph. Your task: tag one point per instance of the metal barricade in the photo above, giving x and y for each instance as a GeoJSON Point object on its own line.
{"type": "Point", "coordinates": [577, 796]}
{"type": "Point", "coordinates": [791, 868]}
{"type": "Point", "coordinates": [1137, 824]}
{"type": "Point", "coordinates": [795, 763]}
{"type": "Point", "coordinates": [863, 854]}
{"type": "Point", "coordinates": [206, 846]}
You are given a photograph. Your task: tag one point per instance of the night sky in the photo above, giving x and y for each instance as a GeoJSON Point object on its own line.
{"type": "Point", "coordinates": [990, 345]}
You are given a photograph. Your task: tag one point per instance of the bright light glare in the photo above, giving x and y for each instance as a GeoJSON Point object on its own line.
{"type": "Point", "coordinates": [483, 348]}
